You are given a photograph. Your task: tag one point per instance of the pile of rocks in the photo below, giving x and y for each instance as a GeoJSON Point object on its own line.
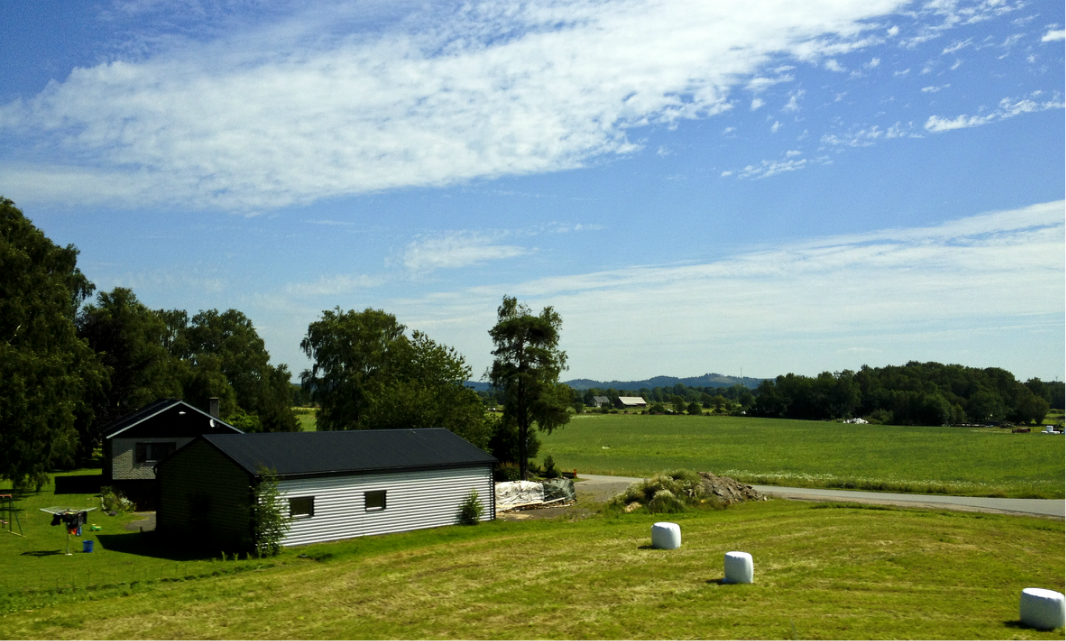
{"type": "Point", "coordinates": [727, 489]}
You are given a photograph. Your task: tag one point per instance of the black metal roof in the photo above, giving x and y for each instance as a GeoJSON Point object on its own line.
{"type": "Point", "coordinates": [152, 410]}
{"type": "Point", "coordinates": [295, 454]}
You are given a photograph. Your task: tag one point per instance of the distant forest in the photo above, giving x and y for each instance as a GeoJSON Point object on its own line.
{"type": "Point", "coordinates": [911, 394]}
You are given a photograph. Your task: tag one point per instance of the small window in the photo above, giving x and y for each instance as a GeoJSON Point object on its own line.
{"type": "Point", "coordinates": [375, 500]}
{"type": "Point", "coordinates": [154, 452]}
{"type": "Point", "coordinates": [302, 508]}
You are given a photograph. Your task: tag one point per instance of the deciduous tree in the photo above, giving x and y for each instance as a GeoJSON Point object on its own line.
{"type": "Point", "coordinates": [367, 374]}
{"type": "Point", "coordinates": [46, 371]}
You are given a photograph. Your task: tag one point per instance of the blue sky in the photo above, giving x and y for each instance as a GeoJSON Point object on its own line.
{"type": "Point", "coordinates": [754, 187]}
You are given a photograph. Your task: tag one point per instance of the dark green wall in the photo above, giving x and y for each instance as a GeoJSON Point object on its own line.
{"type": "Point", "coordinates": [204, 498]}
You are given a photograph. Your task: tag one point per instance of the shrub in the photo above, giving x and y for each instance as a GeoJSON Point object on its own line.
{"type": "Point", "coordinates": [549, 468]}
{"type": "Point", "coordinates": [271, 522]}
{"type": "Point", "coordinates": [471, 510]}
{"type": "Point", "coordinates": [507, 472]}
{"type": "Point", "coordinates": [113, 501]}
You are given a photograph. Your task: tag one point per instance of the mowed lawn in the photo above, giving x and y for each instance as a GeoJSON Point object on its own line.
{"type": "Point", "coordinates": [820, 572]}
{"type": "Point", "coordinates": [945, 460]}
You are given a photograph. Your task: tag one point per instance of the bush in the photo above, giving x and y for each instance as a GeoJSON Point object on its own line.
{"type": "Point", "coordinates": [113, 501]}
{"type": "Point", "coordinates": [471, 510]}
{"type": "Point", "coordinates": [506, 472]}
{"type": "Point", "coordinates": [549, 468]}
{"type": "Point", "coordinates": [268, 514]}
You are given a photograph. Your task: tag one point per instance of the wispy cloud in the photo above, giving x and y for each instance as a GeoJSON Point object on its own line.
{"type": "Point", "coordinates": [768, 168]}
{"type": "Point", "coordinates": [868, 136]}
{"type": "Point", "coordinates": [1054, 35]}
{"type": "Point", "coordinates": [335, 285]}
{"type": "Point", "coordinates": [457, 249]}
{"type": "Point", "coordinates": [1007, 108]}
{"type": "Point", "coordinates": [853, 293]}
{"type": "Point", "coordinates": [309, 105]}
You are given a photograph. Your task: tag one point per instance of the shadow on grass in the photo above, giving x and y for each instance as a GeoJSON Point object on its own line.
{"type": "Point", "coordinates": [152, 545]}
{"type": "Point", "coordinates": [82, 484]}
{"type": "Point", "coordinates": [1016, 624]}
{"type": "Point", "coordinates": [43, 553]}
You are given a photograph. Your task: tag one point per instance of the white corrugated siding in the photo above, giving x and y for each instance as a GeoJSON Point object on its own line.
{"type": "Point", "coordinates": [414, 500]}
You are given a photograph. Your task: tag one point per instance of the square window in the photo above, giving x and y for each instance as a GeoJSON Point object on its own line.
{"type": "Point", "coordinates": [375, 500]}
{"type": "Point", "coordinates": [154, 452]}
{"type": "Point", "coordinates": [302, 508]}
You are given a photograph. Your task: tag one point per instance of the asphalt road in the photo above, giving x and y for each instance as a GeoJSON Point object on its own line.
{"type": "Point", "coordinates": [603, 487]}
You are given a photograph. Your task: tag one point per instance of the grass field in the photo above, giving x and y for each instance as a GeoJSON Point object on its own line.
{"type": "Point", "coordinates": [821, 571]}
{"type": "Point", "coordinates": [941, 460]}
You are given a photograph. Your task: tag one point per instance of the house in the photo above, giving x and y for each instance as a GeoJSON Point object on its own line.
{"type": "Point", "coordinates": [133, 444]}
{"type": "Point", "coordinates": [600, 401]}
{"type": "Point", "coordinates": [630, 402]}
{"type": "Point", "coordinates": [333, 485]}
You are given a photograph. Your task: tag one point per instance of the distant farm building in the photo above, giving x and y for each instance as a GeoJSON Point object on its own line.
{"type": "Point", "coordinates": [630, 402]}
{"type": "Point", "coordinates": [134, 444]}
{"type": "Point", "coordinates": [600, 401]}
{"type": "Point", "coordinates": [333, 485]}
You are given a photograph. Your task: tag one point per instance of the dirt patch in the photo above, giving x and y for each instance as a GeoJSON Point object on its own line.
{"type": "Point", "coordinates": [728, 490]}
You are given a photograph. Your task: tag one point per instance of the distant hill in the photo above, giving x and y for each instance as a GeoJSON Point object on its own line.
{"type": "Point", "coordinates": [707, 380]}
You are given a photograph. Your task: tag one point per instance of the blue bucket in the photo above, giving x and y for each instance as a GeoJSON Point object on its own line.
{"type": "Point", "coordinates": [86, 546]}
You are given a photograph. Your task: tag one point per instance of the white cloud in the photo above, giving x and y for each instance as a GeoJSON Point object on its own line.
{"type": "Point", "coordinates": [456, 249]}
{"type": "Point", "coordinates": [756, 103]}
{"type": "Point", "coordinates": [768, 168]}
{"type": "Point", "coordinates": [838, 291]}
{"type": "Point", "coordinates": [937, 124]}
{"type": "Point", "coordinates": [1054, 35]}
{"type": "Point", "coordinates": [833, 65]}
{"type": "Point", "coordinates": [775, 127]}
{"type": "Point", "coordinates": [279, 113]}
{"type": "Point", "coordinates": [335, 285]}
{"type": "Point", "coordinates": [934, 88]}
{"type": "Point", "coordinates": [957, 46]}
{"type": "Point", "coordinates": [874, 62]}
{"type": "Point", "coordinates": [793, 101]}
{"type": "Point", "coordinates": [1007, 108]}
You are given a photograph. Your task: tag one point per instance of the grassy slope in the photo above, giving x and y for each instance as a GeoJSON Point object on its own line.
{"type": "Point", "coordinates": [962, 461]}
{"type": "Point", "coordinates": [821, 572]}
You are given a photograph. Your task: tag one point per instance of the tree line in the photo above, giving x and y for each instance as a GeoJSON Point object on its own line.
{"type": "Point", "coordinates": [911, 394]}
{"type": "Point", "coordinates": [70, 364]}
{"type": "Point", "coordinates": [732, 399]}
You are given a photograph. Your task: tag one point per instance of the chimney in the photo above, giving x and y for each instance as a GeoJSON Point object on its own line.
{"type": "Point", "coordinates": [212, 407]}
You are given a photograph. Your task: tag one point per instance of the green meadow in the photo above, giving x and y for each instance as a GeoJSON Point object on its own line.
{"type": "Point", "coordinates": [821, 571]}
{"type": "Point", "coordinates": [938, 460]}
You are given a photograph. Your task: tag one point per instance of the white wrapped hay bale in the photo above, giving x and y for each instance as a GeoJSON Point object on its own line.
{"type": "Point", "coordinates": [666, 536]}
{"type": "Point", "coordinates": [1042, 609]}
{"type": "Point", "coordinates": [739, 568]}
